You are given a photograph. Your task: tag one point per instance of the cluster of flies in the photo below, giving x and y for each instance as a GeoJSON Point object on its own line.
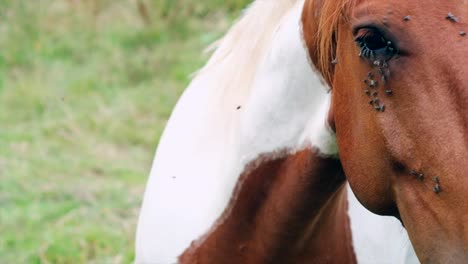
{"type": "Point", "coordinates": [373, 84]}
{"type": "Point", "coordinates": [420, 176]}
{"type": "Point", "coordinates": [383, 72]}
{"type": "Point", "coordinates": [378, 76]}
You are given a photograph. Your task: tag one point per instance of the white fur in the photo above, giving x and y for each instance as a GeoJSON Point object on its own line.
{"type": "Point", "coordinates": [378, 239]}
{"type": "Point", "coordinates": [207, 142]}
{"type": "Point", "coordinates": [288, 106]}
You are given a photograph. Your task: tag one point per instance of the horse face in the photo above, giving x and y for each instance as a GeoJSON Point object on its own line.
{"type": "Point", "coordinates": [399, 83]}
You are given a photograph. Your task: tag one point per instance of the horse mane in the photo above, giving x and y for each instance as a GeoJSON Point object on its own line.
{"type": "Point", "coordinates": [323, 17]}
{"type": "Point", "coordinates": [238, 54]}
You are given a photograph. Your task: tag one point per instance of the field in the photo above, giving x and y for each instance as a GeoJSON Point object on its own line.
{"type": "Point", "coordinates": [86, 87]}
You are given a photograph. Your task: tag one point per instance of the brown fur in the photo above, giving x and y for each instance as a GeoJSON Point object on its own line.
{"type": "Point", "coordinates": [291, 209]}
{"type": "Point", "coordinates": [424, 127]}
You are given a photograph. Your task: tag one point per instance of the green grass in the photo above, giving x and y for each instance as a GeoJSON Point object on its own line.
{"type": "Point", "coordinates": [86, 88]}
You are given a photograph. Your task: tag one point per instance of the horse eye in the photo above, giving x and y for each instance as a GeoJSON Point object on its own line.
{"type": "Point", "coordinates": [373, 44]}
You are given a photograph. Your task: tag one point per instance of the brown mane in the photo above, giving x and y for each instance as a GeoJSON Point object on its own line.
{"type": "Point", "coordinates": [324, 16]}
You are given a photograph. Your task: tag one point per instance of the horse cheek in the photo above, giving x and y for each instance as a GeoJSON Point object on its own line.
{"type": "Point", "coordinates": [361, 147]}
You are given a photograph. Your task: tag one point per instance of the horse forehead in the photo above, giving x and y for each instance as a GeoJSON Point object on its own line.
{"type": "Point", "coordinates": [427, 10]}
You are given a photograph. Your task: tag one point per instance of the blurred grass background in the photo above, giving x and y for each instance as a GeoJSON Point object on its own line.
{"type": "Point", "coordinates": [86, 87]}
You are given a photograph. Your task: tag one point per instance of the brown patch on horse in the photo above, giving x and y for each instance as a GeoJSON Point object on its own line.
{"type": "Point", "coordinates": [291, 209]}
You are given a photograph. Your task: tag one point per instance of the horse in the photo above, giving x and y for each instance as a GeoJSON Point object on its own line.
{"type": "Point", "coordinates": [320, 131]}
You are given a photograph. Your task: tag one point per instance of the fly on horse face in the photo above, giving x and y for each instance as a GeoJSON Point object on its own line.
{"type": "Point", "coordinates": [299, 99]}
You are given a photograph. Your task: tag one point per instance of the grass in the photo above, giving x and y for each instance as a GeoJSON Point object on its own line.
{"type": "Point", "coordinates": [86, 87]}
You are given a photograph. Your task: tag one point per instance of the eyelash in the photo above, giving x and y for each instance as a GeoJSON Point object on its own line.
{"type": "Point", "coordinates": [368, 37]}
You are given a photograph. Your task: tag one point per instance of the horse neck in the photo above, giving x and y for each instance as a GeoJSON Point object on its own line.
{"type": "Point", "coordinates": [289, 200]}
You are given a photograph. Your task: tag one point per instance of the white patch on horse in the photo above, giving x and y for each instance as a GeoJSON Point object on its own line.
{"type": "Point", "coordinates": [289, 105]}
{"type": "Point", "coordinates": [378, 239]}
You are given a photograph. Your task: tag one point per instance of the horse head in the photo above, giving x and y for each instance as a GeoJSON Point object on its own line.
{"type": "Point", "coordinates": [399, 107]}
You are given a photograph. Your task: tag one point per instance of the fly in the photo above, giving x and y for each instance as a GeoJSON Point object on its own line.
{"type": "Point", "coordinates": [451, 17]}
